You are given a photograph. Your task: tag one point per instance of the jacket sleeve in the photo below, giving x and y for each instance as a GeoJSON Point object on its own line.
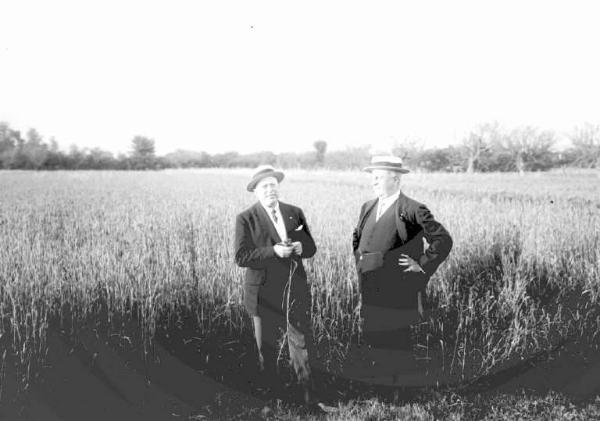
{"type": "Point", "coordinates": [357, 229]}
{"type": "Point", "coordinates": [309, 248]}
{"type": "Point", "coordinates": [304, 236]}
{"type": "Point", "coordinates": [440, 242]}
{"type": "Point", "coordinates": [247, 254]}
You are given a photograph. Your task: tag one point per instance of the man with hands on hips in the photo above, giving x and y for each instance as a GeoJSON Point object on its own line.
{"type": "Point", "coordinates": [392, 261]}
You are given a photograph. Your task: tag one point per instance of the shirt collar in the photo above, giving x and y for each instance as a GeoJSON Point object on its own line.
{"type": "Point", "coordinates": [268, 209]}
{"type": "Point", "coordinates": [390, 198]}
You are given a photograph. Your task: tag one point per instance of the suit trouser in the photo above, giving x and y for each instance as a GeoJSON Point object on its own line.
{"type": "Point", "coordinates": [389, 308]}
{"type": "Point", "coordinates": [299, 340]}
{"type": "Point", "coordinates": [294, 322]}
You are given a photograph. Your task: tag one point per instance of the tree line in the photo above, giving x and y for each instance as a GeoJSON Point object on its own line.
{"type": "Point", "coordinates": [488, 147]}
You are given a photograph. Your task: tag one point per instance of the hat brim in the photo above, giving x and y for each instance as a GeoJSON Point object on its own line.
{"type": "Point", "coordinates": [386, 167]}
{"type": "Point", "coordinates": [252, 184]}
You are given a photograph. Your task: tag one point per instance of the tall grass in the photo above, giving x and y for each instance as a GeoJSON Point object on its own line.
{"type": "Point", "coordinates": [523, 274]}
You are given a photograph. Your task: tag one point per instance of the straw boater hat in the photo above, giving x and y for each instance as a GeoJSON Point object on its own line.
{"type": "Point", "coordinates": [386, 162]}
{"type": "Point", "coordinates": [263, 171]}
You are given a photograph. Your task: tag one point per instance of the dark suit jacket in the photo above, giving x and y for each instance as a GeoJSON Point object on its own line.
{"type": "Point", "coordinates": [255, 237]}
{"type": "Point", "coordinates": [413, 222]}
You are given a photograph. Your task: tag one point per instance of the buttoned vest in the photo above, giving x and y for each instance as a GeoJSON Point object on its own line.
{"type": "Point", "coordinates": [380, 235]}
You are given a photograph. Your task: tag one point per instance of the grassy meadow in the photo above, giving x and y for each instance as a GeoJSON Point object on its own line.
{"type": "Point", "coordinates": [523, 276]}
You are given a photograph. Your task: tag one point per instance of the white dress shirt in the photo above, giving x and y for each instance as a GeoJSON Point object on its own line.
{"type": "Point", "coordinates": [279, 225]}
{"type": "Point", "coordinates": [384, 204]}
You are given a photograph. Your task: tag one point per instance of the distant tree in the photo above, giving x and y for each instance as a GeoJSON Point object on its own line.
{"type": "Point", "coordinates": [7, 145]}
{"type": "Point", "coordinates": [320, 149]}
{"type": "Point", "coordinates": [486, 148]}
{"type": "Point", "coordinates": [296, 159]}
{"type": "Point", "coordinates": [122, 162]}
{"type": "Point", "coordinates": [585, 148]}
{"type": "Point", "coordinates": [478, 143]}
{"type": "Point", "coordinates": [18, 158]}
{"type": "Point", "coordinates": [254, 159]}
{"type": "Point", "coordinates": [54, 159]}
{"type": "Point", "coordinates": [409, 150]}
{"type": "Point", "coordinates": [7, 141]}
{"type": "Point", "coordinates": [143, 153]}
{"type": "Point", "coordinates": [224, 160]}
{"type": "Point", "coordinates": [142, 147]}
{"type": "Point", "coordinates": [34, 150]}
{"type": "Point", "coordinates": [455, 158]}
{"type": "Point", "coordinates": [349, 158]}
{"type": "Point", "coordinates": [288, 160]}
{"type": "Point", "coordinates": [186, 159]}
{"type": "Point", "coordinates": [33, 137]}
{"type": "Point", "coordinates": [75, 158]}
{"type": "Point", "coordinates": [98, 159]}
{"type": "Point", "coordinates": [499, 159]}
{"type": "Point", "coordinates": [525, 149]}
{"type": "Point", "coordinates": [53, 145]}
{"type": "Point", "coordinates": [435, 160]}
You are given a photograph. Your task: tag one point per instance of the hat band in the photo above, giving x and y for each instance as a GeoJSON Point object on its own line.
{"type": "Point", "coordinates": [266, 170]}
{"type": "Point", "coordinates": [386, 164]}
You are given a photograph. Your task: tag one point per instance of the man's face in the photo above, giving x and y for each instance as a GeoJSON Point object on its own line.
{"type": "Point", "coordinates": [384, 182]}
{"type": "Point", "coordinates": [267, 191]}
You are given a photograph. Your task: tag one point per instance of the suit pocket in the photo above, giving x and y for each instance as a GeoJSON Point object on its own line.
{"type": "Point", "coordinates": [298, 236]}
{"type": "Point", "coordinates": [368, 262]}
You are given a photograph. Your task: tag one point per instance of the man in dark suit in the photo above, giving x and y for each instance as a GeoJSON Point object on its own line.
{"type": "Point", "coordinates": [392, 261]}
{"type": "Point", "coordinates": [271, 239]}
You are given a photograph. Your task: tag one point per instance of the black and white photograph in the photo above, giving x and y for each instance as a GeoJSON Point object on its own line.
{"type": "Point", "coordinates": [276, 210]}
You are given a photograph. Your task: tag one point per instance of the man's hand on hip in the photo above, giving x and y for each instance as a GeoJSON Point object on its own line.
{"type": "Point", "coordinates": [410, 263]}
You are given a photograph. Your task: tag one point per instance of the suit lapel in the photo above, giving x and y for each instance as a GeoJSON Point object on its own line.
{"type": "Point", "coordinates": [266, 223]}
{"type": "Point", "coordinates": [368, 210]}
{"type": "Point", "coordinates": [286, 214]}
{"type": "Point", "coordinates": [401, 207]}
{"type": "Point", "coordinates": [401, 199]}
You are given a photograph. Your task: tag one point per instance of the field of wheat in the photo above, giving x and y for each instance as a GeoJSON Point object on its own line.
{"type": "Point", "coordinates": [524, 273]}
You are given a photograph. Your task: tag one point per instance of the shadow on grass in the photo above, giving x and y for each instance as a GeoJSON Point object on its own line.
{"type": "Point", "coordinates": [98, 367]}
{"type": "Point", "coordinates": [493, 294]}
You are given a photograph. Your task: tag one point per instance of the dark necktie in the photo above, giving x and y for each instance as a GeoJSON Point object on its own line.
{"type": "Point", "coordinates": [274, 215]}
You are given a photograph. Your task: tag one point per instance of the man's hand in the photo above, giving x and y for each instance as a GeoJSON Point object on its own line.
{"type": "Point", "coordinates": [283, 251]}
{"type": "Point", "coordinates": [412, 265]}
{"type": "Point", "coordinates": [297, 246]}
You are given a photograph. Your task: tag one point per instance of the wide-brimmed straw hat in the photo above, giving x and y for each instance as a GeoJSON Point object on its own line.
{"type": "Point", "coordinates": [263, 171]}
{"type": "Point", "coordinates": [386, 162]}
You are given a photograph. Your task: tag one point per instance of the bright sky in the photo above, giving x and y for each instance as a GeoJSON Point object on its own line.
{"type": "Point", "coordinates": [253, 75]}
